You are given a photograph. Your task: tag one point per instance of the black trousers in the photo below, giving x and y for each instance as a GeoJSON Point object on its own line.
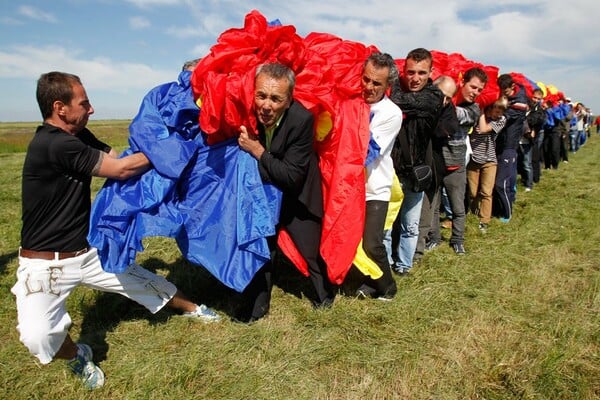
{"type": "Point", "coordinates": [305, 231]}
{"type": "Point", "coordinates": [376, 212]}
{"type": "Point", "coordinates": [552, 144]}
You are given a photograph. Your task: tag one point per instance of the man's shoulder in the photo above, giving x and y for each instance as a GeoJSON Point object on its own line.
{"type": "Point", "coordinates": [298, 111]}
{"type": "Point", "coordinates": [298, 107]}
{"type": "Point", "coordinates": [388, 106]}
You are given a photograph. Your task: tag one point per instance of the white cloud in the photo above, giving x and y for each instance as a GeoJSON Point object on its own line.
{"type": "Point", "coordinates": [98, 72]}
{"type": "Point", "coordinates": [546, 40]}
{"type": "Point", "coordinates": [139, 22]}
{"type": "Point", "coordinates": [151, 3]}
{"type": "Point", "coordinates": [9, 21]}
{"type": "Point", "coordinates": [184, 32]}
{"type": "Point", "coordinates": [37, 14]}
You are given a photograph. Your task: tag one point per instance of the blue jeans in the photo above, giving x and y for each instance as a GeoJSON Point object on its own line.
{"type": "Point", "coordinates": [387, 242]}
{"type": "Point", "coordinates": [582, 137]}
{"type": "Point", "coordinates": [406, 227]}
{"type": "Point", "coordinates": [574, 136]}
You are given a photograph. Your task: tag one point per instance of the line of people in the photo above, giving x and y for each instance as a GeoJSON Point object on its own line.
{"type": "Point", "coordinates": [431, 135]}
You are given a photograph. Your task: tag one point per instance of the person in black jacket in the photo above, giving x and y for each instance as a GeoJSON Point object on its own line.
{"type": "Point", "coordinates": [421, 104]}
{"type": "Point", "coordinates": [449, 154]}
{"type": "Point", "coordinates": [507, 144]}
{"type": "Point", "coordinates": [283, 147]}
{"type": "Point", "coordinates": [536, 118]}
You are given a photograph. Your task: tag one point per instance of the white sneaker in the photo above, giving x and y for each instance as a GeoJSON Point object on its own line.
{"type": "Point", "coordinates": [203, 313]}
{"type": "Point", "coordinates": [82, 365]}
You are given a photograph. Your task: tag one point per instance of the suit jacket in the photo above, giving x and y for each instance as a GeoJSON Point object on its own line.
{"type": "Point", "coordinates": [292, 165]}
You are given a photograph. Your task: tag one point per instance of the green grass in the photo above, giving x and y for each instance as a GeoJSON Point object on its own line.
{"type": "Point", "coordinates": [15, 136]}
{"type": "Point", "coordinates": [518, 317]}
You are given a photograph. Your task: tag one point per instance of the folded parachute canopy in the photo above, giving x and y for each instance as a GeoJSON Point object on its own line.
{"type": "Point", "coordinates": [199, 173]}
{"type": "Point", "coordinates": [327, 72]}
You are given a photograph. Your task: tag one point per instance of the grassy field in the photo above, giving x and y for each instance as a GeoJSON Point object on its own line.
{"type": "Point", "coordinates": [518, 317]}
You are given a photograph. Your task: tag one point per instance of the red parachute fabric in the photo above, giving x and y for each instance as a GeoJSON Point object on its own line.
{"type": "Point", "coordinates": [223, 81]}
{"type": "Point", "coordinates": [327, 72]}
{"type": "Point", "coordinates": [457, 65]}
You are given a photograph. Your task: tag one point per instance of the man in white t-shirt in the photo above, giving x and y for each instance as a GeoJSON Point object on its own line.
{"type": "Point", "coordinates": [379, 73]}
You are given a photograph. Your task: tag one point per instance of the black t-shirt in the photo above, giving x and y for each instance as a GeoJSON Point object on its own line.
{"type": "Point", "coordinates": [56, 198]}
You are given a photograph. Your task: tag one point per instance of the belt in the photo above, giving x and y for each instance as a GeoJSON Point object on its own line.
{"type": "Point", "coordinates": [51, 255]}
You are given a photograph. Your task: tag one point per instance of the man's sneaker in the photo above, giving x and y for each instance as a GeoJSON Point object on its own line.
{"type": "Point", "coordinates": [82, 365]}
{"type": "Point", "coordinates": [431, 245]}
{"type": "Point", "coordinates": [203, 313]}
{"type": "Point", "coordinates": [364, 292]}
{"type": "Point", "coordinates": [483, 227]}
{"type": "Point", "coordinates": [459, 249]}
{"type": "Point", "coordinates": [400, 271]}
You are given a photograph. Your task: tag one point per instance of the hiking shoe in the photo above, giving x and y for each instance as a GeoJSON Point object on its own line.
{"type": "Point", "coordinates": [82, 365]}
{"type": "Point", "coordinates": [203, 313]}
{"type": "Point", "coordinates": [431, 245]}
{"type": "Point", "coordinates": [483, 227]}
{"type": "Point", "coordinates": [459, 249]}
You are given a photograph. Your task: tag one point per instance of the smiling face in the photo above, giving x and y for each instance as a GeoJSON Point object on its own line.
{"type": "Point", "coordinates": [471, 89]}
{"type": "Point", "coordinates": [271, 98]}
{"type": "Point", "coordinates": [76, 113]}
{"type": "Point", "coordinates": [374, 82]}
{"type": "Point", "coordinates": [416, 74]}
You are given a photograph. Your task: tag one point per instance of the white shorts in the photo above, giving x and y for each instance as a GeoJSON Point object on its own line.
{"type": "Point", "coordinates": [43, 287]}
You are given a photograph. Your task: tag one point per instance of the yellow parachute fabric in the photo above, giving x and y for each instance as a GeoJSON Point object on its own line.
{"type": "Point", "coordinates": [543, 88]}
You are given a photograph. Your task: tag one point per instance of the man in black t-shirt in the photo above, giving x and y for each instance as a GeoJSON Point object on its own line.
{"type": "Point", "coordinates": [55, 256]}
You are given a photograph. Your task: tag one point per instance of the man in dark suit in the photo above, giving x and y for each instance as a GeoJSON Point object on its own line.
{"type": "Point", "coordinates": [286, 159]}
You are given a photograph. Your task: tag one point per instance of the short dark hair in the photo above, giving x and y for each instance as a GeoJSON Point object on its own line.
{"type": "Point", "coordinates": [54, 86]}
{"type": "Point", "coordinates": [419, 54]}
{"type": "Point", "coordinates": [505, 81]}
{"type": "Point", "coordinates": [475, 72]}
{"type": "Point", "coordinates": [278, 71]}
{"type": "Point", "coordinates": [190, 64]}
{"type": "Point", "coordinates": [384, 60]}
{"type": "Point", "coordinates": [540, 91]}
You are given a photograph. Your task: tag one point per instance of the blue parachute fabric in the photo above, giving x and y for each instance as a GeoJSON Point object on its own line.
{"type": "Point", "coordinates": [209, 198]}
{"type": "Point", "coordinates": [228, 213]}
{"type": "Point", "coordinates": [374, 150]}
{"type": "Point", "coordinates": [168, 119]}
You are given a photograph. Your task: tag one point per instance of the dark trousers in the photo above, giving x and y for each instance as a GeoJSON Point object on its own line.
{"type": "Point", "coordinates": [564, 147]}
{"type": "Point", "coordinates": [305, 232]}
{"type": "Point", "coordinates": [426, 219]}
{"type": "Point", "coordinates": [505, 181]}
{"type": "Point", "coordinates": [376, 212]}
{"type": "Point", "coordinates": [552, 144]}
{"type": "Point", "coordinates": [455, 183]}
{"type": "Point", "coordinates": [456, 186]}
{"type": "Point", "coordinates": [537, 156]}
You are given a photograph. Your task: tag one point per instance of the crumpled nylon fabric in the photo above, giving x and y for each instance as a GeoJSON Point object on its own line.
{"type": "Point", "coordinates": [209, 198]}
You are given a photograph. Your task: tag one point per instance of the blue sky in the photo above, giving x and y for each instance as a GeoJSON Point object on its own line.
{"type": "Point", "coordinates": [123, 48]}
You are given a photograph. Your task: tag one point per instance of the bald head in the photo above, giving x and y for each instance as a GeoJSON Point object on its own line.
{"type": "Point", "coordinates": [447, 85]}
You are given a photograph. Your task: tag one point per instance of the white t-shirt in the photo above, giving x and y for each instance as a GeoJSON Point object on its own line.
{"type": "Point", "coordinates": [385, 124]}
